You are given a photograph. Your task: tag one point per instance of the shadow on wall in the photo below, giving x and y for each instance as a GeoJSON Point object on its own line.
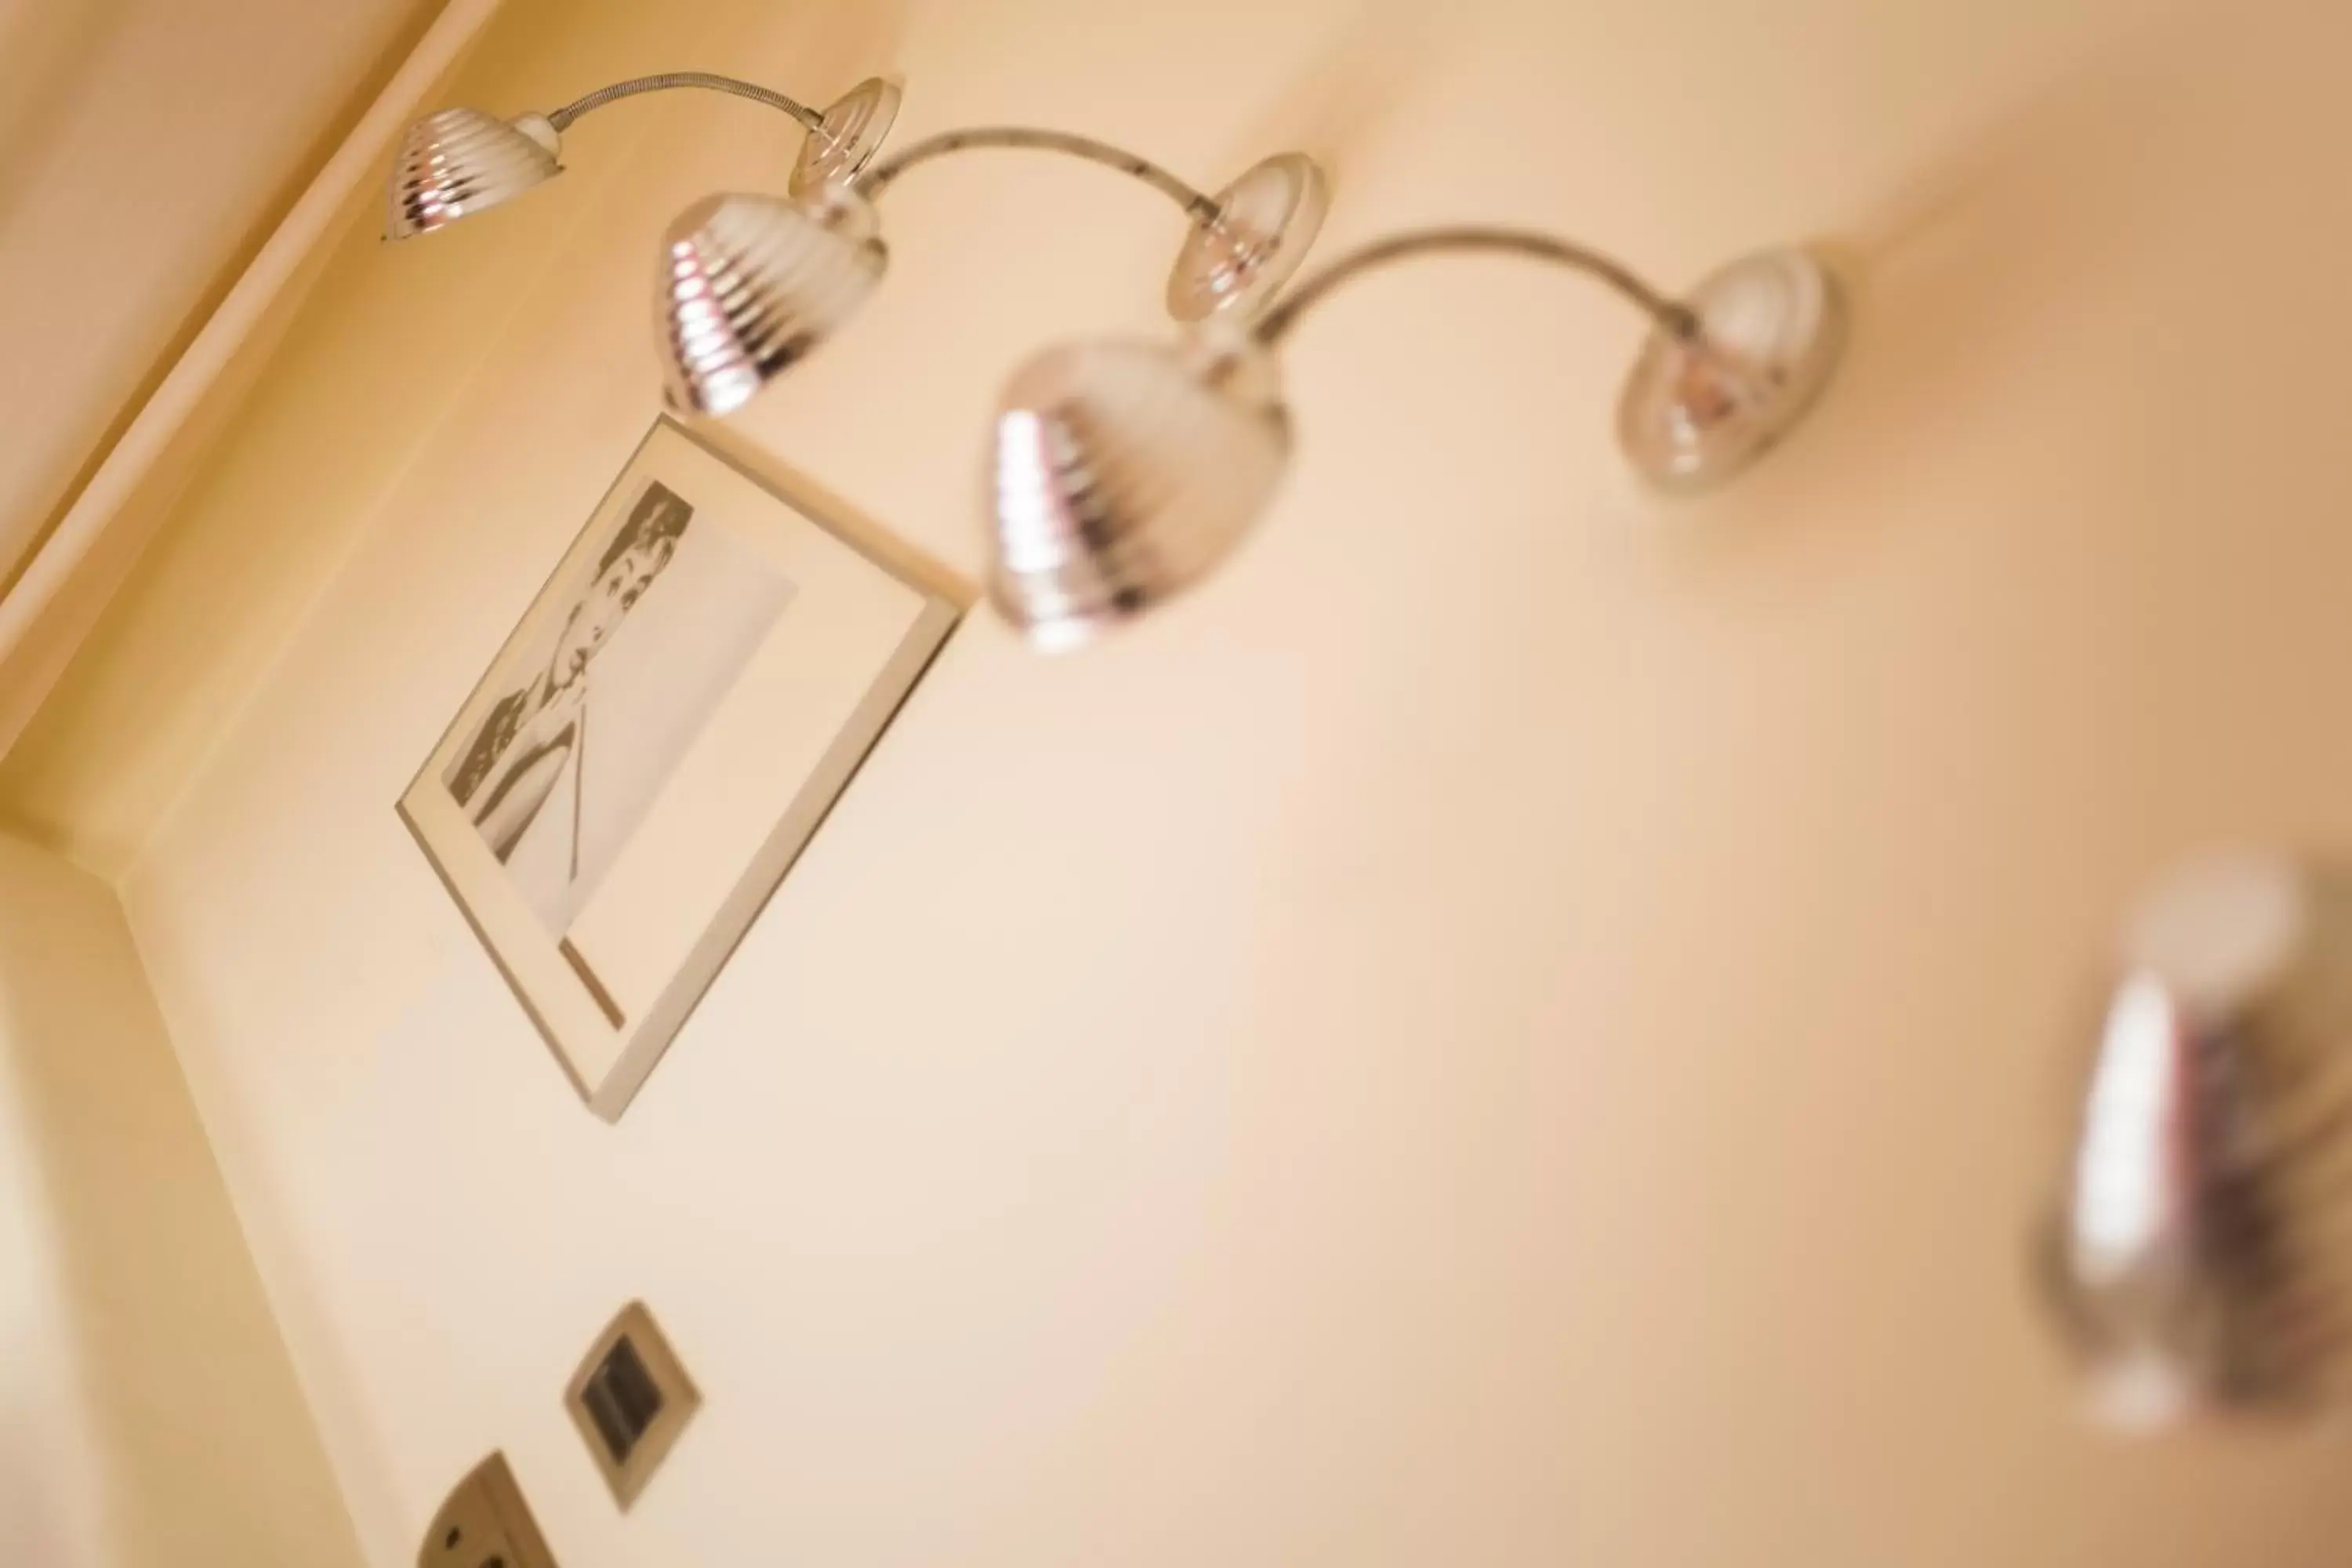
{"type": "Point", "coordinates": [1955, 276]}
{"type": "Point", "coordinates": [49, 1506]}
{"type": "Point", "coordinates": [202, 1448]}
{"type": "Point", "coordinates": [1351, 95]}
{"type": "Point", "coordinates": [43, 49]}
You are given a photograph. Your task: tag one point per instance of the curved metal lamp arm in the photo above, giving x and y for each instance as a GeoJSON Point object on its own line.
{"type": "Point", "coordinates": [561, 119]}
{"type": "Point", "coordinates": [1201, 208]}
{"type": "Point", "coordinates": [1670, 315]}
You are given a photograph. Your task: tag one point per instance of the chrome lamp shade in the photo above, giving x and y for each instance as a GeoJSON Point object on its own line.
{"type": "Point", "coordinates": [1125, 473]}
{"type": "Point", "coordinates": [750, 284]}
{"type": "Point", "coordinates": [2200, 1251]}
{"type": "Point", "coordinates": [460, 162]}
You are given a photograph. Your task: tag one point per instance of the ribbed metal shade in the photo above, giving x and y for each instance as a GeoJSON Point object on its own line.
{"type": "Point", "coordinates": [460, 162]}
{"type": "Point", "coordinates": [2201, 1248]}
{"type": "Point", "coordinates": [750, 284]}
{"type": "Point", "coordinates": [1124, 473]}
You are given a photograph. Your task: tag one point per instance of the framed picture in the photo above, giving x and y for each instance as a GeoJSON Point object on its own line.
{"type": "Point", "coordinates": [657, 741]}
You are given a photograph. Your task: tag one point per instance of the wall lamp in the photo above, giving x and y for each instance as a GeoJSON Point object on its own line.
{"type": "Point", "coordinates": [751, 283]}
{"type": "Point", "coordinates": [1127, 471]}
{"type": "Point", "coordinates": [2199, 1252]}
{"type": "Point", "coordinates": [461, 161]}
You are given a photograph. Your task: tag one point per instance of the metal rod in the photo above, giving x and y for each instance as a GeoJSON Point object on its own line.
{"type": "Point", "coordinates": [562, 118]}
{"type": "Point", "coordinates": [1670, 315]}
{"type": "Point", "coordinates": [1203, 209]}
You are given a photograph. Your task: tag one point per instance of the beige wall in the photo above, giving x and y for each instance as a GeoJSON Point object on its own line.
{"type": "Point", "coordinates": [145, 146]}
{"type": "Point", "coordinates": [1516, 1027]}
{"type": "Point", "coordinates": [149, 1416]}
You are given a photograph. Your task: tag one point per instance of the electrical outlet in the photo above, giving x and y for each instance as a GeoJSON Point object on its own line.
{"type": "Point", "coordinates": [485, 1524]}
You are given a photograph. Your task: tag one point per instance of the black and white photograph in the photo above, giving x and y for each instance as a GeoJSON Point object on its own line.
{"type": "Point", "coordinates": [597, 715]}
{"type": "Point", "coordinates": [657, 738]}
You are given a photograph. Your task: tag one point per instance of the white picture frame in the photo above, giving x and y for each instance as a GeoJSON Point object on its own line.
{"type": "Point", "coordinates": [657, 740]}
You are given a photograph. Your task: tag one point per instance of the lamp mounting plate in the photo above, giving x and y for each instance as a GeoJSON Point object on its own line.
{"type": "Point", "coordinates": [1271, 216]}
{"type": "Point", "coordinates": [855, 126]}
{"type": "Point", "coordinates": [1771, 328]}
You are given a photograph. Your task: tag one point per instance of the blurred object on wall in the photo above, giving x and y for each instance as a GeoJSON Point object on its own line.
{"type": "Point", "coordinates": [2201, 1250]}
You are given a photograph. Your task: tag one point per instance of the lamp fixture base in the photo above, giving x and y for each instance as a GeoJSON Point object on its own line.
{"type": "Point", "coordinates": [1270, 218]}
{"type": "Point", "coordinates": [1697, 411]}
{"type": "Point", "coordinates": [855, 126]}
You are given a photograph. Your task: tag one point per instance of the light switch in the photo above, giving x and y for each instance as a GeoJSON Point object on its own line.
{"type": "Point", "coordinates": [631, 1399]}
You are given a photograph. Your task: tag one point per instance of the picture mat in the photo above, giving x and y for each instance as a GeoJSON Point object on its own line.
{"type": "Point", "coordinates": [739, 806]}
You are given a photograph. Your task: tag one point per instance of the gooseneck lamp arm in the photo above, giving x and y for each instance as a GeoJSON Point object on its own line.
{"type": "Point", "coordinates": [1126, 472]}
{"type": "Point", "coordinates": [749, 285]}
{"type": "Point", "coordinates": [1198, 206]}
{"type": "Point", "coordinates": [1672, 317]}
{"type": "Point", "coordinates": [561, 119]}
{"type": "Point", "coordinates": [459, 160]}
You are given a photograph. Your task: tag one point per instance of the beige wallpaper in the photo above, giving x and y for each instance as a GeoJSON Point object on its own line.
{"type": "Point", "coordinates": [1518, 1026]}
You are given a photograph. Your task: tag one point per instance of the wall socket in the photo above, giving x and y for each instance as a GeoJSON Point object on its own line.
{"type": "Point", "coordinates": [485, 1524]}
